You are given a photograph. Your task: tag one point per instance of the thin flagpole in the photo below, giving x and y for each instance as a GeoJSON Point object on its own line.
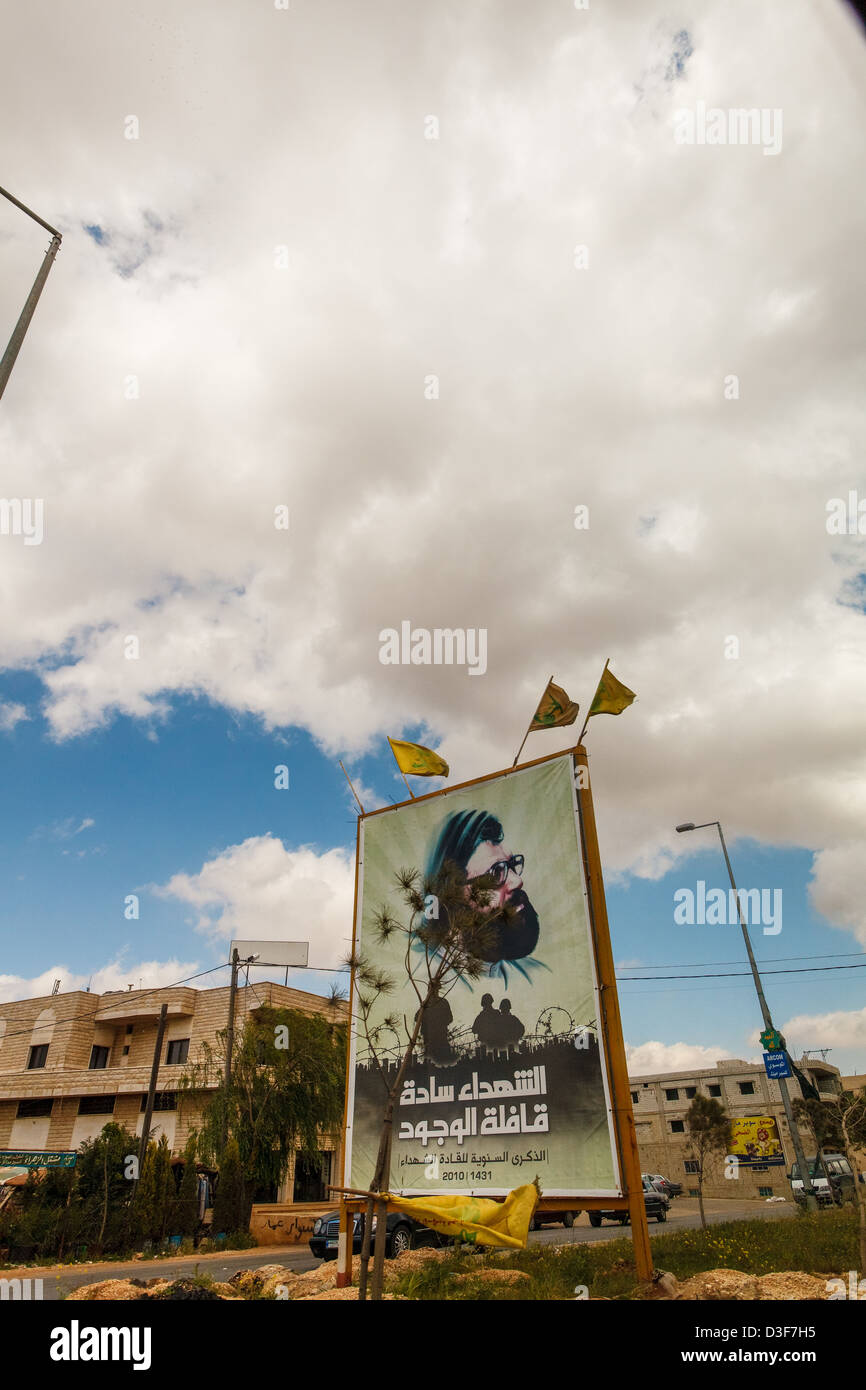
{"type": "Point", "coordinates": [591, 703]}
{"type": "Point", "coordinates": [529, 730]}
{"type": "Point", "coordinates": [408, 788]}
{"type": "Point", "coordinates": [354, 793]}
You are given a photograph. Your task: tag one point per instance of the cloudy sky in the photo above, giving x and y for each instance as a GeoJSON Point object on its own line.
{"type": "Point", "coordinates": [423, 280]}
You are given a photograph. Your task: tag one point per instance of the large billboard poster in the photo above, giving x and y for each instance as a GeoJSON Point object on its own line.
{"type": "Point", "coordinates": [508, 1082]}
{"type": "Point", "coordinates": [755, 1139]}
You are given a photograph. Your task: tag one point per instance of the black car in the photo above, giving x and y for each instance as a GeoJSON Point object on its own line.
{"type": "Point", "coordinates": [656, 1205]}
{"type": "Point", "coordinates": [402, 1234]}
{"type": "Point", "coordinates": [554, 1218]}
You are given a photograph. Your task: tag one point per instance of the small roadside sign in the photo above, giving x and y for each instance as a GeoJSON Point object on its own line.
{"type": "Point", "coordinates": [776, 1065]}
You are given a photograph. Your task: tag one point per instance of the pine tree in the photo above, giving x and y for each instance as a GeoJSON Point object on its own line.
{"type": "Point", "coordinates": [184, 1220]}
{"type": "Point", "coordinates": [163, 1196]}
{"type": "Point", "coordinates": [141, 1221]}
{"type": "Point", "coordinates": [231, 1211]}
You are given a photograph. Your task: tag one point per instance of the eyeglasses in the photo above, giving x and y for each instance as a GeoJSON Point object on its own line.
{"type": "Point", "coordinates": [498, 872]}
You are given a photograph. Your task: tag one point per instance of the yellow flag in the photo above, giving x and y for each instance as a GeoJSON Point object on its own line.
{"type": "Point", "coordinates": [478, 1220]}
{"type": "Point", "coordinates": [417, 760]}
{"type": "Point", "coordinates": [611, 697]}
{"type": "Point", "coordinates": [555, 709]}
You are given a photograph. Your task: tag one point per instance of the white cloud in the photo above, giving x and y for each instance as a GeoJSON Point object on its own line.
{"type": "Point", "coordinates": [837, 1030]}
{"type": "Point", "coordinates": [10, 715]}
{"type": "Point", "coordinates": [259, 889]}
{"type": "Point", "coordinates": [648, 1058]}
{"type": "Point", "coordinates": [115, 975]}
{"type": "Point", "coordinates": [304, 386]}
{"type": "Point", "coordinates": [836, 887]}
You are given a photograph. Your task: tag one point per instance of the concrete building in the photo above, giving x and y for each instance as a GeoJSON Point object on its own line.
{"type": "Point", "coordinates": [660, 1103]}
{"type": "Point", "coordinates": [70, 1063]}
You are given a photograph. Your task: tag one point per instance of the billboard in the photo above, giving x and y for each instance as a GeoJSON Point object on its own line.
{"type": "Point", "coordinates": [755, 1139]}
{"type": "Point", "coordinates": [509, 1081]}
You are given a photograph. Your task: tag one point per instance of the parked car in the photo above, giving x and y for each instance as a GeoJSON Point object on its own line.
{"type": "Point", "coordinates": [663, 1184]}
{"type": "Point", "coordinates": [553, 1218]}
{"type": "Point", "coordinates": [656, 1204]}
{"type": "Point", "coordinates": [832, 1181]}
{"type": "Point", "coordinates": [402, 1234]}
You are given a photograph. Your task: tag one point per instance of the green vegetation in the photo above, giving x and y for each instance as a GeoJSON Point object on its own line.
{"type": "Point", "coordinates": [96, 1210]}
{"type": "Point", "coordinates": [286, 1094]}
{"type": "Point", "coordinates": [823, 1244]}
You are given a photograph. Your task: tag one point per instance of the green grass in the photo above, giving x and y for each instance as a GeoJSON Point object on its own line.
{"type": "Point", "coordinates": [822, 1244]}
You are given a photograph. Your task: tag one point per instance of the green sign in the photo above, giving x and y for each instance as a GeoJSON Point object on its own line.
{"type": "Point", "coordinates": [771, 1039]}
{"type": "Point", "coordinates": [29, 1158]}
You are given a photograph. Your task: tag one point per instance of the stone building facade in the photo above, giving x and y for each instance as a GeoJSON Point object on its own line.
{"type": "Point", "coordinates": [660, 1103]}
{"type": "Point", "coordinates": [70, 1063]}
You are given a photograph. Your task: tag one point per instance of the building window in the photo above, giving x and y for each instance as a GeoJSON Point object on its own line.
{"type": "Point", "coordinates": [99, 1058]}
{"type": "Point", "coordinates": [691, 1092]}
{"type": "Point", "coordinates": [126, 1050]}
{"type": "Point", "coordinates": [177, 1052]}
{"type": "Point", "coordinates": [96, 1105]}
{"type": "Point", "coordinates": [163, 1100]}
{"type": "Point", "coordinates": [34, 1109]}
{"type": "Point", "coordinates": [747, 1088]}
{"type": "Point", "coordinates": [37, 1057]}
{"type": "Point", "coordinates": [672, 1095]}
{"type": "Point", "coordinates": [129, 1028]}
{"type": "Point", "coordinates": [715, 1091]}
{"type": "Point", "coordinates": [635, 1097]}
{"type": "Point", "coordinates": [765, 1191]}
{"type": "Point", "coordinates": [691, 1165]}
{"type": "Point", "coordinates": [678, 1126]}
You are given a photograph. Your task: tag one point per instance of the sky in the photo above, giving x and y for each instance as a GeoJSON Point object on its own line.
{"type": "Point", "coordinates": [377, 314]}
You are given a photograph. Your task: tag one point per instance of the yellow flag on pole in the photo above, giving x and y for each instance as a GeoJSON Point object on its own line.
{"type": "Point", "coordinates": [611, 697]}
{"type": "Point", "coordinates": [555, 709]}
{"type": "Point", "coordinates": [418, 761]}
{"type": "Point", "coordinates": [477, 1220]}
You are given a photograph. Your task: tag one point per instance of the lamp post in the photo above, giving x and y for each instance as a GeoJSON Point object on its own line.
{"type": "Point", "coordinates": [13, 347]}
{"type": "Point", "coordinates": [811, 1200]}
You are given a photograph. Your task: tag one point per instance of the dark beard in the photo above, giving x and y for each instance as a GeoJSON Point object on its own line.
{"type": "Point", "coordinates": [514, 940]}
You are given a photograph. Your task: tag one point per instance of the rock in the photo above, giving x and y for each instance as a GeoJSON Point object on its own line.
{"type": "Point", "coordinates": [719, 1284]}
{"type": "Point", "coordinates": [792, 1284]}
{"type": "Point", "coordinates": [180, 1290]}
{"type": "Point", "coordinates": [122, 1290]}
{"type": "Point", "coordinates": [663, 1285]}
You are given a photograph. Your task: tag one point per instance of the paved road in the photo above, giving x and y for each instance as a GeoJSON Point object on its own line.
{"type": "Point", "coordinates": [683, 1215]}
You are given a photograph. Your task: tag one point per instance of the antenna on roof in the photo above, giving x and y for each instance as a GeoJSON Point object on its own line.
{"type": "Point", "coordinates": [55, 988]}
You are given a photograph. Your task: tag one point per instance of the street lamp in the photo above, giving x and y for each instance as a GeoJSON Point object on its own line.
{"type": "Point", "coordinates": [7, 362]}
{"type": "Point", "coordinates": [811, 1200]}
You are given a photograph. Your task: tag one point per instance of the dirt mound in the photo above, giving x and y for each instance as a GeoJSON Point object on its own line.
{"type": "Point", "coordinates": [733, 1284]}
{"type": "Point", "coordinates": [122, 1290]}
{"type": "Point", "coordinates": [792, 1283]}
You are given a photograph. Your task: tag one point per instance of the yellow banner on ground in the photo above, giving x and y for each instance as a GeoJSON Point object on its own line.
{"type": "Point", "coordinates": [417, 760]}
{"type": "Point", "coordinates": [476, 1220]}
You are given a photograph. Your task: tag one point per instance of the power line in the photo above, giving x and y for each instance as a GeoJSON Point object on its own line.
{"type": "Point", "coordinates": [695, 965]}
{"type": "Point", "coordinates": [730, 974]}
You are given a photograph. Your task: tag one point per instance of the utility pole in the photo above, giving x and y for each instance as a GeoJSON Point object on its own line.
{"type": "Point", "coordinates": [229, 1043]}
{"type": "Point", "coordinates": [14, 345]}
{"type": "Point", "coordinates": [808, 1191]}
{"type": "Point", "coordinates": [151, 1090]}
